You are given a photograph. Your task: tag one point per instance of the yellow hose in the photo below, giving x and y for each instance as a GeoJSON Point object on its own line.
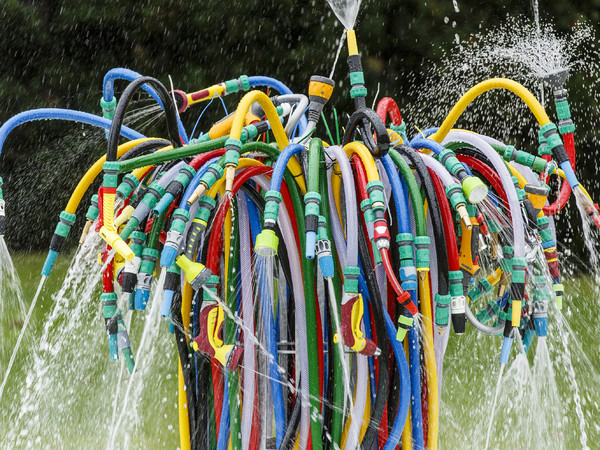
{"type": "Point", "coordinates": [407, 431]}
{"type": "Point", "coordinates": [184, 423]}
{"type": "Point", "coordinates": [93, 172]}
{"type": "Point", "coordinates": [270, 111]}
{"type": "Point", "coordinates": [432, 382]}
{"type": "Point", "coordinates": [365, 155]}
{"type": "Point", "coordinates": [494, 83]}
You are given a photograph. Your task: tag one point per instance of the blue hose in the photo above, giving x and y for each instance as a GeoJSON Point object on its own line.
{"type": "Point", "coordinates": [223, 439]}
{"type": "Point", "coordinates": [569, 174]}
{"type": "Point", "coordinates": [281, 164]}
{"type": "Point", "coordinates": [120, 73]}
{"type": "Point", "coordinates": [61, 114]}
{"type": "Point", "coordinates": [194, 183]}
{"type": "Point", "coordinates": [414, 379]}
{"type": "Point", "coordinates": [428, 144]}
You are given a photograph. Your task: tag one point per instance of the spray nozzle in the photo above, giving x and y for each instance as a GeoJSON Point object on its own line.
{"type": "Point", "coordinates": [557, 78]}
{"type": "Point", "coordinates": [195, 273]}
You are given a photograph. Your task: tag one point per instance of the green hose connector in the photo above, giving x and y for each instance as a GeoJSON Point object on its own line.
{"type": "Point", "coordinates": [108, 107]}
{"type": "Point", "coordinates": [474, 189]}
{"type": "Point", "coordinates": [422, 253]}
{"type": "Point", "coordinates": [65, 222]}
{"type": "Point", "coordinates": [137, 241]}
{"type": "Point", "coordinates": [404, 324]}
{"type": "Point", "coordinates": [526, 159]}
{"type": "Point", "coordinates": [408, 271]}
{"type": "Point", "coordinates": [377, 197]}
{"type": "Point", "coordinates": [209, 293]}
{"type": "Point", "coordinates": [563, 112]}
{"type": "Point", "coordinates": [93, 212]}
{"type": "Point", "coordinates": [124, 343]}
{"type": "Point", "coordinates": [153, 194]}
{"type": "Point", "coordinates": [109, 308]}
{"type": "Point", "coordinates": [312, 202]}
{"type": "Point", "coordinates": [365, 206]}
{"type": "Point", "coordinates": [237, 84]}
{"type": "Point", "coordinates": [210, 177]}
{"type": "Point", "coordinates": [506, 262]}
{"type": "Point", "coordinates": [110, 178]}
{"type": "Point", "coordinates": [559, 291]}
{"type": "Point", "coordinates": [351, 274]}
{"type": "Point", "coordinates": [174, 239]}
{"type": "Point", "coordinates": [272, 199]}
{"type": "Point", "coordinates": [129, 183]}
{"type": "Point", "coordinates": [442, 309]}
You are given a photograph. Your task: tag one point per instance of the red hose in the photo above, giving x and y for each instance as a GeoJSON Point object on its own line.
{"type": "Point", "coordinates": [565, 189]}
{"type": "Point", "coordinates": [446, 213]}
{"type": "Point", "coordinates": [388, 106]}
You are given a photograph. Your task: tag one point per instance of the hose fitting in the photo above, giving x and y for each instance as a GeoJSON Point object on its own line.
{"type": "Point", "coordinates": [174, 237]}
{"type": "Point", "coordinates": [145, 277]}
{"type": "Point", "coordinates": [324, 254]}
{"type": "Point", "coordinates": [312, 201]}
{"type": "Point", "coordinates": [233, 148]}
{"type": "Point", "coordinates": [172, 285]}
{"type": "Point", "coordinates": [195, 273]}
{"type": "Point", "coordinates": [130, 274]}
{"type": "Point", "coordinates": [320, 90]}
{"type": "Point", "coordinates": [212, 174]}
{"type": "Point", "coordinates": [65, 222]}
{"type": "Point", "coordinates": [153, 194]}
{"type": "Point", "coordinates": [109, 308]}
{"type": "Point", "coordinates": [175, 187]}
{"type": "Point", "coordinates": [92, 214]}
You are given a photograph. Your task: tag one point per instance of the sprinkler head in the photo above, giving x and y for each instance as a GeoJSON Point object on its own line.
{"type": "Point", "coordinates": [474, 189]}
{"type": "Point", "coordinates": [556, 79]}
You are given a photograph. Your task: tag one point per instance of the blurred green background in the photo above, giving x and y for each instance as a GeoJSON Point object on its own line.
{"type": "Point", "coordinates": [55, 54]}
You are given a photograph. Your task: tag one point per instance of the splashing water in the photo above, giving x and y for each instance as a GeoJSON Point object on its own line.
{"type": "Point", "coordinates": [493, 410]}
{"type": "Point", "coordinates": [12, 307]}
{"type": "Point", "coordinates": [346, 11]}
{"type": "Point", "coordinates": [23, 331]}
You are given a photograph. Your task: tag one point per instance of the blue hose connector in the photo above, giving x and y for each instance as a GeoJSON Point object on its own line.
{"type": "Point", "coordinates": [505, 352]}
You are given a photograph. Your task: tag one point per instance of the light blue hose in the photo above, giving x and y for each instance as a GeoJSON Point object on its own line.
{"type": "Point", "coordinates": [61, 114]}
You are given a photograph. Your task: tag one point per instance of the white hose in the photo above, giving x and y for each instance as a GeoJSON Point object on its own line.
{"type": "Point", "coordinates": [248, 320]}
{"type": "Point", "coordinates": [506, 178]}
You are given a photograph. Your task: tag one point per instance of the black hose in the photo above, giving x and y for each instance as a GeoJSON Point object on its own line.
{"type": "Point", "coordinates": [364, 118]}
{"type": "Point", "coordinates": [117, 121]}
{"type": "Point", "coordinates": [143, 147]}
{"type": "Point", "coordinates": [186, 367]}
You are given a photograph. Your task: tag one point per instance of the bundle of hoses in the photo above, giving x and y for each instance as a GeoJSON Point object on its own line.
{"type": "Point", "coordinates": [310, 283]}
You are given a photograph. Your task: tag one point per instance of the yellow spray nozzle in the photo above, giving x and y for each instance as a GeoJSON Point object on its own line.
{"type": "Point", "coordinates": [114, 241]}
{"type": "Point", "coordinates": [320, 88]}
{"type": "Point", "coordinates": [124, 216]}
{"type": "Point", "coordinates": [195, 272]}
{"type": "Point", "coordinates": [352, 45]}
{"type": "Point", "coordinates": [537, 195]}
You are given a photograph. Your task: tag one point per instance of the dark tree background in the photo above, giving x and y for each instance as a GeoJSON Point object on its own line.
{"type": "Point", "coordinates": [55, 54]}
